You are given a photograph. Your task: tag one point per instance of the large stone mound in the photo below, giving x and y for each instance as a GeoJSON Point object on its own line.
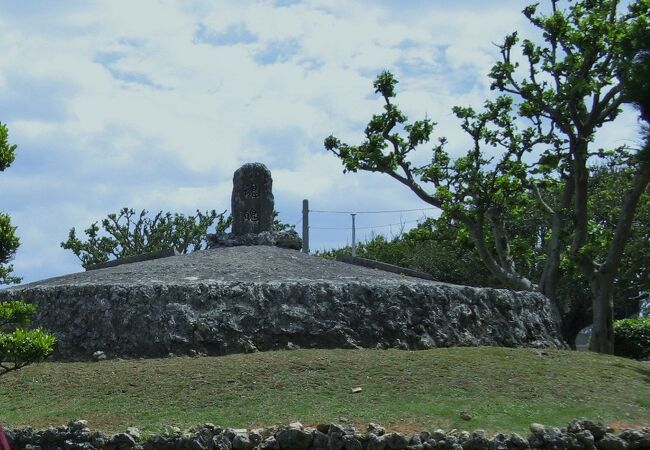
{"type": "Point", "coordinates": [246, 298]}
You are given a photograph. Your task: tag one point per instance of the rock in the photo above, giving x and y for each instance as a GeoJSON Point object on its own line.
{"type": "Point", "coordinates": [596, 429]}
{"type": "Point", "coordinates": [255, 437]}
{"type": "Point", "coordinates": [439, 435]}
{"type": "Point", "coordinates": [548, 438]}
{"type": "Point", "coordinates": [536, 428]}
{"type": "Point", "coordinates": [288, 239]}
{"type": "Point", "coordinates": [122, 441]}
{"type": "Point", "coordinates": [99, 355]}
{"type": "Point", "coordinates": [293, 439]}
{"type": "Point", "coordinates": [134, 433]}
{"type": "Point", "coordinates": [320, 439]}
{"type": "Point", "coordinates": [376, 442]}
{"type": "Point", "coordinates": [78, 425]}
{"type": "Point", "coordinates": [375, 429]}
{"type": "Point", "coordinates": [518, 442]}
{"type": "Point", "coordinates": [270, 443]}
{"type": "Point", "coordinates": [351, 443]}
{"type": "Point", "coordinates": [221, 442]}
{"type": "Point", "coordinates": [242, 442]}
{"type": "Point", "coordinates": [202, 440]}
{"type": "Point", "coordinates": [635, 439]}
{"type": "Point", "coordinates": [585, 439]}
{"type": "Point", "coordinates": [610, 442]}
{"type": "Point", "coordinates": [395, 441]}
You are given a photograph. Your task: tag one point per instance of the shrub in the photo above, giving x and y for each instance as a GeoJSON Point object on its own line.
{"type": "Point", "coordinates": [632, 338]}
{"type": "Point", "coordinates": [20, 346]}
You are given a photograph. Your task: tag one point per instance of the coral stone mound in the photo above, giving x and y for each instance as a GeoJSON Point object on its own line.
{"type": "Point", "coordinates": [244, 299]}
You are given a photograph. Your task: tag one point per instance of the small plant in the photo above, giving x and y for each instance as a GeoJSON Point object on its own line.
{"type": "Point", "coordinates": [18, 345]}
{"type": "Point", "coordinates": [632, 338]}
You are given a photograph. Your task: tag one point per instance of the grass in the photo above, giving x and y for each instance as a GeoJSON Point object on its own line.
{"type": "Point", "coordinates": [503, 389]}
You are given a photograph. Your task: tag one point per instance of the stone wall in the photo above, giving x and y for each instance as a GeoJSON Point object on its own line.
{"type": "Point", "coordinates": [242, 317]}
{"type": "Point", "coordinates": [244, 299]}
{"type": "Point", "coordinates": [580, 434]}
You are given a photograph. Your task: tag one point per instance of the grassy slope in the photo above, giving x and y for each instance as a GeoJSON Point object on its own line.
{"type": "Point", "coordinates": [503, 389]}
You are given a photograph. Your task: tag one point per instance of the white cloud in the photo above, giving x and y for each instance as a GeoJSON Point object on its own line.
{"type": "Point", "coordinates": [154, 104]}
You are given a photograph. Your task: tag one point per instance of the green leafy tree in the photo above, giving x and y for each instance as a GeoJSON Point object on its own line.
{"type": "Point", "coordinates": [129, 233]}
{"type": "Point", "coordinates": [569, 86]}
{"type": "Point", "coordinates": [576, 79]}
{"type": "Point", "coordinates": [8, 239]}
{"type": "Point", "coordinates": [20, 346]}
{"type": "Point", "coordinates": [438, 246]}
{"type": "Point", "coordinates": [484, 191]}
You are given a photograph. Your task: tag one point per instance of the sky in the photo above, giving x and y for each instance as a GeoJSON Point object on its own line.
{"type": "Point", "coordinates": [154, 104]}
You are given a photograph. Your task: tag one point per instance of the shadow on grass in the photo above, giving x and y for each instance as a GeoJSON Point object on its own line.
{"type": "Point", "coordinates": [645, 371]}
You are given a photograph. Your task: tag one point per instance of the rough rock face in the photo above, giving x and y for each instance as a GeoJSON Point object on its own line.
{"type": "Point", "coordinates": [283, 239]}
{"type": "Point", "coordinates": [241, 299]}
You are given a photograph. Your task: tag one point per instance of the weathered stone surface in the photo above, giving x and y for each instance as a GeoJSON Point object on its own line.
{"type": "Point", "coordinates": [284, 239]}
{"type": "Point", "coordinates": [211, 438]}
{"type": "Point", "coordinates": [252, 200]}
{"type": "Point", "coordinates": [294, 439]}
{"type": "Point", "coordinates": [223, 300]}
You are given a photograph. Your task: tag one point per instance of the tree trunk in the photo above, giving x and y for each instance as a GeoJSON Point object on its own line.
{"type": "Point", "coordinates": [602, 334]}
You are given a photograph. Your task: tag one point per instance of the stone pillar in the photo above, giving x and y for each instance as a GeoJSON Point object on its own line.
{"type": "Point", "coordinates": [252, 200]}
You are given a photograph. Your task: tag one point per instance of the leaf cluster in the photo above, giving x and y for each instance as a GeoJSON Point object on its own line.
{"type": "Point", "coordinates": [128, 233]}
{"type": "Point", "coordinates": [9, 241]}
{"type": "Point", "coordinates": [632, 338]}
{"type": "Point", "coordinates": [20, 346]}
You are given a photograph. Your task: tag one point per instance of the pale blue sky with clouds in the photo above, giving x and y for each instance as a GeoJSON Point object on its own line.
{"type": "Point", "coordinates": [154, 104]}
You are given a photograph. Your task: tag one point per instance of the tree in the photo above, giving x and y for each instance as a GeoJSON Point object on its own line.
{"type": "Point", "coordinates": [9, 241]}
{"type": "Point", "coordinates": [128, 234]}
{"type": "Point", "coordinates": [435, 246]}
{"type": "Point", "coordinates": [443, 248]}
{"type": "Point", "coordinates": [570, 88]}
{"type": "Point", "coordinates": [19, 346]}
{"type": "Point", "coordinates": [576, 80]}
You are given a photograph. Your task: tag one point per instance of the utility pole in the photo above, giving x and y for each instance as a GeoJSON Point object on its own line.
{"type": "Point", "coordinates": [354, 236]}
{"type": "Point", "coordinates": [305, 226]}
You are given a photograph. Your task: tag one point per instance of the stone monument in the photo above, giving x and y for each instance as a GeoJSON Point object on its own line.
{"type": "Point", "coordinates": [252, 200]}
{"type": "Point", "coordinates": [252, 212]}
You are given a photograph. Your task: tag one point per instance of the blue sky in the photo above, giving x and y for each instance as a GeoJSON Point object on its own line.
{"type": "Point", "coordinates": [154, 104]}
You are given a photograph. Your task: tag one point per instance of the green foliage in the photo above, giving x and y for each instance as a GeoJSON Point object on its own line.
{"type": "Point", "coordinates": [128, 234]}
{"type": "Point", "coordinates": [19, 346]}
{"type": "Point", "coordinates": [436, 246]}
{"type": "Point", "coordinates": [7, 151]}
{"type": "Point", "coordinates": [632, 338]}
{"type": "Point", "coordinates": [8, 240]}
{"type": "Point", "coordinates": [278, 225]}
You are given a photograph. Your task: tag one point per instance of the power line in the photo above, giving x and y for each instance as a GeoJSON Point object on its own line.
{"type": "Point", "coordinates": [370, 212]}
{"type": "Point", "coordinates": [364, 228]}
